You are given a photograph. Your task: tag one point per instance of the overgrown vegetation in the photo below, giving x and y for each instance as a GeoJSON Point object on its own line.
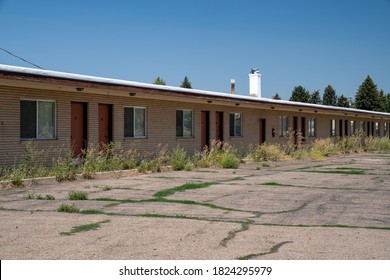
{"type": "Point", "coordinates": [39, 196]}
{"type": "Point", "coordinates": [68, 208]}
{"type": "Point", "coordinates": [34, 162]}
{"type": "Point", "coordinates": [77, 195]}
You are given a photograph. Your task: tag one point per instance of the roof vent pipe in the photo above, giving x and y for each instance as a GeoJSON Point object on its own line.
{"type": "Point", "coordinates": [232, 86]}
{"type": "Point", "coordinates": [255, 83]}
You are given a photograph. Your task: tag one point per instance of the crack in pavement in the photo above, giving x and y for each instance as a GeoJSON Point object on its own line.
{"type": "Point", "coordinates": [274, 249]}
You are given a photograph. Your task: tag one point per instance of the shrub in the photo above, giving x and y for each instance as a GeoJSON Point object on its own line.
{"type": "Point", "coordinates": [68, 208]}
{"type": "Point", "coordinates": [229, 160]}
{"type": "Point", "coordinates": [179, 158]}
{"type": "Point", "coordinates": [149, 166]}
{"type": "Point", "coordinates": [377, 144]}
{"type": "Point", "coordinates": [265, 152]}
{"type": "Point", "coordinates": [77, 195]}
{"type": "Point", "coordinates": [65, 168]}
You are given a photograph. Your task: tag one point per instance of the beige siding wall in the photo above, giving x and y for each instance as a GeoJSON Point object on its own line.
{"type": "Point", "coordinates": [161, 123]}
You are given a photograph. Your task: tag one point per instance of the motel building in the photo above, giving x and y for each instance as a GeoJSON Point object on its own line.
{"type": "Point", "coordinates": [54, 110]}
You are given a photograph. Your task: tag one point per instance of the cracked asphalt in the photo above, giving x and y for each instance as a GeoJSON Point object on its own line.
{"type": "Point", "coordinates": [337, 208]}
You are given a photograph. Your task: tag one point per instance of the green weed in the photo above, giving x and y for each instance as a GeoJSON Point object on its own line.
{"type": "Point", "coordinates": [87, 227]}
{"type": "Point", "coordinates": [182, 188]}
{"type": "Point", "coordinates": [77, 195]}
{"type": "Point", "coordinates": [68, 208]}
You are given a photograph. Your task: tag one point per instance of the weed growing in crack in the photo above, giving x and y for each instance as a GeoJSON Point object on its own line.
{"type": "Point", "coordinates": [77, 195]}
{"type": "Point", "coordinates": [232, 234]}
{"type": "Point", "coordinates": [68, 208]}
{"type": "Point", "coordinates": [87, 227]}
{"type": "Point", "coordinates": [182, 188]}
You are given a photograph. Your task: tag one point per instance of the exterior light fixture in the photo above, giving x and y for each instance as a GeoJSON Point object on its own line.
{"type": "Point", "coordinates": [237, 104]}
{"type": "Point", "coordinates": [272, 107]}
{"type": "Point", "coordinates": [80, 89]}
{"type": "Point", "coordinates": [209, 101]}
{"type": "Point", "coordinates": [132, 93]}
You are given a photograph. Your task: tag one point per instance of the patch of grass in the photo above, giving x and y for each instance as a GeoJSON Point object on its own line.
{"type": "Point", "coordinates": [68, 208]}
{"type": "Point", "coordinates": [233, 233]}
{"type": "Point", "coordinates": [182, 188]}
{"type": "Point", "coordinates": [107, 188]}
{"type": "Point", "coordinates": [327, 226]}
{"type": "Point", "coordinates": [77, 195]}
{"type": "Point", "coordinates": [276, 184]}
{"type": "Point", "coordinates": [335, 171]}
{"type": "Point", "coordinates": [273, 249]}
{"type": "Point", "coordinates": [91, 212]}
{"type": "Point", "coordinates": [39, 196]}
{"type": "Point", "coordinates": [87, 227]}
{"type": "Point", "coordinates": [112, 204]}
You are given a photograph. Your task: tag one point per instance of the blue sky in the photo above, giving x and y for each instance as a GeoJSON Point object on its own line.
{"type": "Point", "coordinates": [301, 42]}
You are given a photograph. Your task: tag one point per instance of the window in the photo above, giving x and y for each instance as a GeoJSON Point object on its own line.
{"type": "Point", "coordinates": [386, 129]}
{"type": "Point", "coordinates": [377, 131]}
{"type": "Point", "coordinates": [37, 119]}
{"type": "Point", "coordinates": [363, 126]}
{"type": "Point", "coordinates": [352, 128]}
{"type": "Point", "coordinates": [135, 122]}
{"type": "Point", "coordinates": [283, 126]}
{"type": "Point", "coordinates": [312, 127]}
{"type": "Point", "coordinates": [333, 128]}
{"type": "Point", "coordinates": [235, 121]}
{"type": "Point", "coordinates": [184, 123]}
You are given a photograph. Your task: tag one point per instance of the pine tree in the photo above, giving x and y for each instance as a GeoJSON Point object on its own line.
{"type": "Point", "coordinates": [159, 81]}
{"type": "Point", "coordinates": [300, 94]}
{"type": "Point", "coordinates": [382, 101]}
{"type": "Point", "coordinates": [342, 101]}
{"type": "Point", "coordinates": [367, 97]}
{"type": "Point", "coordinates": [276, 96]}
{"type": "Point", "coordinates": [387, 103]}
{"type": "Point", "coordinates": [186, 83]}
{"type": "Point", "coordinates": [329, 98]}
{"type": "Point", "coordinates": [315, 97]}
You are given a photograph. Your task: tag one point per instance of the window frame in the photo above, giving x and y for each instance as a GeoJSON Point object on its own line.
{"type": "Point", "coordinates": [37, 114]}
{"type": "Point", "coordinates": [363, 126]}
{"type": "Point", "coordinates": [312, 127]}
{"type": "Point", "coordinates": [377, 129]}
{"type": "Point", "coordinates": [233, 133]}
{"type": "Point", "coordinates": [333, 130]}
{"type": "Point", "coordinates": [134, 120]}
{"type": "Point", "coordinates": [283, 126]}
{"type": "Point", "coordinates": [183, 136]}
{"type": "Point", "coordinates": [352, 127]}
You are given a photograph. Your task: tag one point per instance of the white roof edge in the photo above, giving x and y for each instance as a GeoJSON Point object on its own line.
{"type": "Point", "coordinates": [87, 78]}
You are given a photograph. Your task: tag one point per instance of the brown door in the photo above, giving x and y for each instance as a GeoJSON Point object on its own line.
{"type": "Point", "coordinates": [219, 126]}
{"type": "Point", "coordinates": [262, 131]}
{"type": "Point", "coordinates": [205, 137]}
{"type": "Point", "coordinates": [78, 127]}
{"type": "Point", "coordinates": [105, 125]}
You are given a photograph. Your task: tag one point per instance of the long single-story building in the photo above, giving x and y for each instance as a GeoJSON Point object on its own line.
{"type": "Point", "coordinates": [56, 110]}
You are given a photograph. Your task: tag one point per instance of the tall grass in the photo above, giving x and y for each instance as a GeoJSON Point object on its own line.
{"type": "Point", "coordinates": [218, 154]}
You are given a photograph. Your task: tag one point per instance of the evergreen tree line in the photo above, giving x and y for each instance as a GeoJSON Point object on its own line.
{"type": "Point", "coordinates": [368, 97]}
{"type": "Point", "coordinates": [184, 84]}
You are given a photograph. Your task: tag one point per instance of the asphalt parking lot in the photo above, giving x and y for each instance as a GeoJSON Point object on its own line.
{"type": "Point", "coordinates": [337, 208]}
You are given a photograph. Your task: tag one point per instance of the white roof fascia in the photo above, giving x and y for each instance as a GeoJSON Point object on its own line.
{"type": "Point", "coordinates": [94, 79]}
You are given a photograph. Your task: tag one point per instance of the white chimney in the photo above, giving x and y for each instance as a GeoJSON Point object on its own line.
{"type": "Point", "coordinates": [255, 83]}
